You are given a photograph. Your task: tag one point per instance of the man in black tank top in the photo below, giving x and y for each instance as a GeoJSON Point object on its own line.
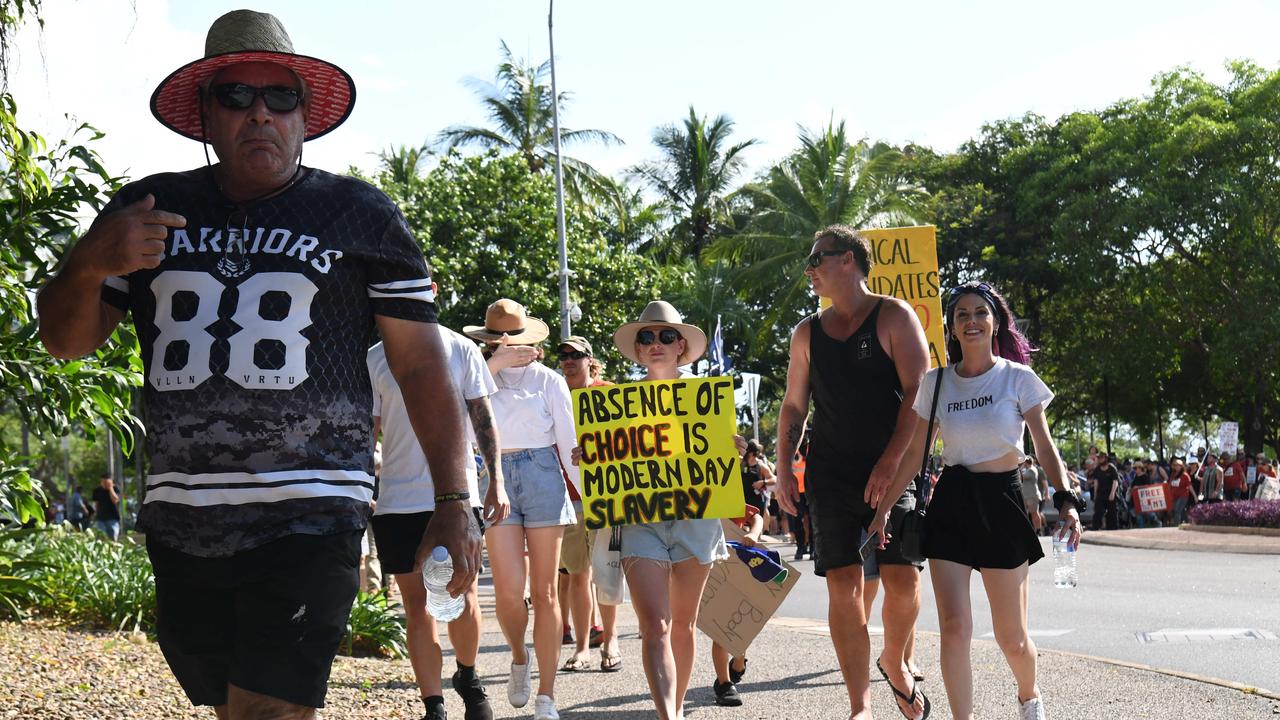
{"type": "Point", "coordinates": [860, 361]}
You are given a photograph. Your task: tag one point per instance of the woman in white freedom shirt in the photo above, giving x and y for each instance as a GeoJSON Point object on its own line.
{"type": "Point", "coordinates": [976, 517]}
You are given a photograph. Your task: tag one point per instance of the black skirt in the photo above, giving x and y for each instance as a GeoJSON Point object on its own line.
{"type": "Point", "coordinates": [979, 520]}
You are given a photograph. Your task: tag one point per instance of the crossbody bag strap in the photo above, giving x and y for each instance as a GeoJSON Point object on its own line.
{"type": "Point", "coordinates": [928, 437]}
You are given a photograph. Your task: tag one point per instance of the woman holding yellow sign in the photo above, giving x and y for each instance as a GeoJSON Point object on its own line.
{"type": "Point", "coordinates": [666, 563]}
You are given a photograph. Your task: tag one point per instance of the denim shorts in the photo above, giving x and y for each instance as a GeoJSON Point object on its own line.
{"type": "Point", "coordinates": [673, 541]}
{"type": "Point", "coordinates": [536, 488]}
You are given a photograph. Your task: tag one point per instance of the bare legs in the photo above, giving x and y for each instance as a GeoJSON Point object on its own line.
{"type": "Point", "coordinates": [899, 613]}
{"type": "Point", "coordinates": [506, 555]}
{"type": "Point", "coordinates": [1007, 593]}
{"type": "Point", "coordinates": [666, 599]}
{"type": "Point", "coordinates": [423, 637]}
{"type": "Point", "coordinates": [848, 622]}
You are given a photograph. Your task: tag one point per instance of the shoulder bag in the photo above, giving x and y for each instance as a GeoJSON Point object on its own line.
{"type": "Point", "coordinates": [911, 533]}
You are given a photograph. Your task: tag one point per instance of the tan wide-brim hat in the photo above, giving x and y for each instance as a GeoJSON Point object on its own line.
{"type": "Point", "coordinates": [508, 317]}
{"type": "Point", "coordinates": [243, 36]}
{"type": "Point", "coordinates": [661, 313]}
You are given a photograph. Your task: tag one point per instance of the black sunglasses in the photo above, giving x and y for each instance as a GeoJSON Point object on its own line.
{"type": "Point", "coordinates": [816, 258]}
{"type": "Point", "coordinates": [666, 336]}
{"type": "Point", "coordinates": [573, 355]}
{"type": "Point", "coordinates": [969, 288]}
{"type": "Point", "coordinates": [238, 96]}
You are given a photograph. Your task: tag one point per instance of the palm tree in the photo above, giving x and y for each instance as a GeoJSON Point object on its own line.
{"type": "Point", "coordinates": [403, 163]}
{"type": "Point", "coordinates": [519, 107]}
{"type": "Point", "coordinates": [828, 180]}
{"type": "Point", "coordinates": [693, 175]}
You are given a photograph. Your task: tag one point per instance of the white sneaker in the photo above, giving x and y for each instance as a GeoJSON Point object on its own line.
{"type": "Point", "coordinates": [520, 682]}
{"type": "Point", "coordinates": [1032, 709]}
{"type": "Point", "coordinates": [544, 708]}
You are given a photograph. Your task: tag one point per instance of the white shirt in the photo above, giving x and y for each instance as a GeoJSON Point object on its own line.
{"type": "Point", "coordinates": [980, 418]}
{"type": "Point", "coordinates": [405, 484]}
{"type": "Point", "coordinates": [532, 410]}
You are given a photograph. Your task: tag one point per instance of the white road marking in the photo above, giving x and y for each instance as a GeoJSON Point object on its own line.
{"type": "Point", "coordinates": [1200, 635]}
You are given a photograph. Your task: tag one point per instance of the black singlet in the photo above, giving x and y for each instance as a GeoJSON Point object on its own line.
{"type": "Point", "coordinates": [856, 394]}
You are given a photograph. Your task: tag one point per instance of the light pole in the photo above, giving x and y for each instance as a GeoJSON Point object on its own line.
{"type": "Point", "coordinates": [566, 322]}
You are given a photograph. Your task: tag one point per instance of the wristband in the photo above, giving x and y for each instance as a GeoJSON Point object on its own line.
{"type": "Point", "coordinates": [450, 497]}
{"type": "Point", "coordinates": [1062, 497]}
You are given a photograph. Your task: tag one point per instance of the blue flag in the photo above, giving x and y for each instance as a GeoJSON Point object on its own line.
{"type": "Point", "coordinates": [720, 362]}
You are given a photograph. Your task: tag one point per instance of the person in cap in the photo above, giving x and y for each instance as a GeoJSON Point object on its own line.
{"type": "Point", "coordinates": [666, 563]}
{"type": "Point", "coordinates": [860, 362]}
{"type": "Point", "coordinates": [531, 408]}
{"type": "Point", "coordinates": [254, 284]}
{"type": "Point", "coordinates": [577, 597]}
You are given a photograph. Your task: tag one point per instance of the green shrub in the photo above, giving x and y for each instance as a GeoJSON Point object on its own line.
{"type": "Point", "coordinates": [374, 628]}
{"type": "Point", "coordinates": [19, 574]}
{"type": "Point", "coordinates": [83, 578]}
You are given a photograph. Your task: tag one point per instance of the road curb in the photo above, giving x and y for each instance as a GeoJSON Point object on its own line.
{"type": "Point", "coordinates": [805, 624]}
{"type": "Point", "coordinates": [1111, 540]}
{"type": "Point", "coordinates": [1207, 679]}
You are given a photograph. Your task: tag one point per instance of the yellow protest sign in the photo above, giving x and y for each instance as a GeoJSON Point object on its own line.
{"type": "Point", "coordinates": [657, 450]}
{"type": "Point", "coordinates": [905, 265]}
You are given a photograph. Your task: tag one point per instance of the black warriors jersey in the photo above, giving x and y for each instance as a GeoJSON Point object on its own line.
{"type": "Point", "coordinates": [253, 331]}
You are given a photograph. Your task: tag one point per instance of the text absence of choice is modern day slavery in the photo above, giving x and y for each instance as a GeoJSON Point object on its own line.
{"type": "Point", "coordinates": [657, 450]}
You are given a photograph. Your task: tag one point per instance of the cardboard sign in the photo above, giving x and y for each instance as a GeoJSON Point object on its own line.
{"type": "Point", "coordinates": [657, 450]}
{"type": "Point", "coordinates": [1228, 438]}
{"type": "Point", "coordinates": [905, 266]}
{"type": "Point", "coordinates": [736, 606]}
{"type": "Point", "coordinates": [1152, 498]}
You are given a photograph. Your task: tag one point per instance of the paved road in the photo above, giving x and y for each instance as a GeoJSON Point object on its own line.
{"type": "Point", "coordinates": [1126, 592]}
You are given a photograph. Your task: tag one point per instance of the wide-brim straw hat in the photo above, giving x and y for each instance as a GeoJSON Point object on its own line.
{"type": "Point", "coordinates": [243, 36]}
{"type": "Point", "coordinates": [661, 313]}
{"type": "Point", "coordinates": [508, 317]}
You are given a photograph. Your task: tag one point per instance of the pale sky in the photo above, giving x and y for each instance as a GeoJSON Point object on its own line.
{"type": "Point", "coordinates": [928, 72]}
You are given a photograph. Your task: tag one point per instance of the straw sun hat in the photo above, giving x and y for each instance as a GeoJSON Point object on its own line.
{"type": "Point", "coordinates": [243, 36]}
{"type": "Point", "coordinates": [508, 317]}
{"type": "Point", "coordinates": [661, 313]}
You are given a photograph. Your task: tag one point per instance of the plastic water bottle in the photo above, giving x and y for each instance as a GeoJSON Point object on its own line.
{"type": "Point", "coordinates": [437, 571]}
{"type": "Point", "coordinates": [1065, 574]}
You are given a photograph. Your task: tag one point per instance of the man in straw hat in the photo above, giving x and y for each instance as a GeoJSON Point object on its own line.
{"type": "Point", "coordinates": [254, 284]}
{"type": "Point", "coordinates": [860, 361]}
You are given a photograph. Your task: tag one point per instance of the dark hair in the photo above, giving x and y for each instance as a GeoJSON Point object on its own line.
{"type": "Point", "coordinates": [1010, 343]}
{"type": "Point", "coordinates": [847, 238]}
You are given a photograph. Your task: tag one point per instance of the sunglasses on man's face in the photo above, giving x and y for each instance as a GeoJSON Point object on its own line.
{"type": "Point", "coordinates": [666, 336]}
{"type": "Point", "coordinates": [573, 355]}
{"type": "Point", "coordinates": [815, 259]}
{"type": "Point", "coordinates": [238, 96]}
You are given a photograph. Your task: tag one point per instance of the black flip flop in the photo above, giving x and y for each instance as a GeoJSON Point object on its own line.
{"type": "Point", "coordinates": [910, 699]}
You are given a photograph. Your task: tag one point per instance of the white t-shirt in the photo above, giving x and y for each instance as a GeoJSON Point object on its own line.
{"type": "Point", "coordinates": [980, 418]}
{"type": "Point", "coordinates": [405, 483]}
{"type": "Point", "coordinates": [532, 410]}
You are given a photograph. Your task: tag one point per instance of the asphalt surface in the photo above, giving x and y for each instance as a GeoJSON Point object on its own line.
{"type": "Point", "coordinates": [1213, 615]}
{"type": "Point", "coordinates": [1147, 634]}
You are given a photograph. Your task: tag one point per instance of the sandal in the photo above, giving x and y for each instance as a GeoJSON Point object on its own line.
{"type": "Point", "coordinates": [574, 664]}
{"type": "Point", "coordinates": [610, 663]}
{"type": "Point", "coordinates": [909, 699]}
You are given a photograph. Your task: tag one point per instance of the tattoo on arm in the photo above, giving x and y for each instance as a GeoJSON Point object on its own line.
{"type": "Point", "coordinates": [486, 431]}
{"type": "Point", "coordinates": [794, 432]}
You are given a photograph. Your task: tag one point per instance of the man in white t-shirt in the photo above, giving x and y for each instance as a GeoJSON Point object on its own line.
{"type": "Point", "coordinates": [406, 500]}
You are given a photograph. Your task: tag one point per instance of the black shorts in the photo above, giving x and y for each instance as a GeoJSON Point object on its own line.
{"type": "Point", "coordinates": [267, 620]}
{"type": "Point", "coordinates": [838, 515]}
{"type": "Point", "coordinates": [398, 536]}
{"type": "Point", "coordinates": [980, 520]}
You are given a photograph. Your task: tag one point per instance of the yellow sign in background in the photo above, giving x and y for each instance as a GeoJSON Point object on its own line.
{"type": "Point", "coordinates": [657, 450]}
{"type": "Point", "coordinates": [905, 265]}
